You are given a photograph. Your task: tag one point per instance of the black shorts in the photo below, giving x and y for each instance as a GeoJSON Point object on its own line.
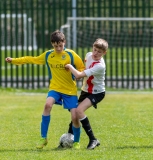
{"type": "Point", "coordinates": [94, 98]}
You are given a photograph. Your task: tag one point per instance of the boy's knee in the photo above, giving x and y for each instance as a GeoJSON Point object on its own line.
{"type": "Point", "coordinates": [74, 119]}
{"type": "Point", "coordinates": [79, 113]}
{"type": "Point", "coordinates": [48, 106]}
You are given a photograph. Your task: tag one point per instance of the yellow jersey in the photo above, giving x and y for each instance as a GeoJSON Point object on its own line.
{"type": "Point", "coordinates": [61, 80]}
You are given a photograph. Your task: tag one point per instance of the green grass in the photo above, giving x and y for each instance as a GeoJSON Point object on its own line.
{"type": "Point", "coordinates": [123, 123]}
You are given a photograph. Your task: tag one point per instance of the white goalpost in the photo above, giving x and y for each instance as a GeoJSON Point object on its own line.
{"type": "Point", "coordinates": [17, 32]}
{"type": "Point", "coordinates": [117, 30]}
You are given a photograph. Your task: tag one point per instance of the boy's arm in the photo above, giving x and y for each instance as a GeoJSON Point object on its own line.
{"type": "Point", "coordinates": [75, 72]}
{"type": "Point", "coordinates": [27, 60]}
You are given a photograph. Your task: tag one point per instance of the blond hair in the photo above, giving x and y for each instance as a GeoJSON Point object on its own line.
{"type": "Point", "coordinates": [101, 44]}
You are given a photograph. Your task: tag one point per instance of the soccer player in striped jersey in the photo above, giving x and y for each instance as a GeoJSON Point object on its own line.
{"type": "Point", "coordinates": [62, 88]}
{"type": "Point", "coordinates": [93, 89]}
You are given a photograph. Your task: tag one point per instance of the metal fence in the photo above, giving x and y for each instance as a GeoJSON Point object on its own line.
{"type": "Point", "coordinates": [26, 26]}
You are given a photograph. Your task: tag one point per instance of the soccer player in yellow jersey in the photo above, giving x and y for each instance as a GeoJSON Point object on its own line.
{"type": "Point", "coordinates": [62, 88]}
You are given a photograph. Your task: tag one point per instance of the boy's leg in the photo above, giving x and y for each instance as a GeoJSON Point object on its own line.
{"type": "Point", "coordinates": [71, 103]}
{"type": "Point", "coordinates": [83, 106]}
{"type": "Point", "coordinates": [87, 127]}
{"type": "Point", "coordinates": [70, 130]}
{"type": "Point", "coordinates": [45, 122]}
{"type": "Point", "coordinates": [44, 130]}
{"type": "Point", "coordinates": [77, 132]}
{"type": "Point", "coordinates": [93, 142]}
{"type": "Point", "coordinates": [76, 129]}
{"type": "Point", "coordinates": [44, 126]}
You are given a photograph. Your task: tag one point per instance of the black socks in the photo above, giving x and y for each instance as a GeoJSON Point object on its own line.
{"type": "Point", "coordinates": [86, 125]}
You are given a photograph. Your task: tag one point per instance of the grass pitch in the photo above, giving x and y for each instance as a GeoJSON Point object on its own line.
{"type": "Point", "coordinates": [123, 123]}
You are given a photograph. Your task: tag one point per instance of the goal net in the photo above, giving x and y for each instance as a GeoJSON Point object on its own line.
{"type": "Point", "coordinates": [17, 32]}
{"type": "Point", "coordinates": [119, 32]}
{"type": "Point", "coordinates": [130, 56]}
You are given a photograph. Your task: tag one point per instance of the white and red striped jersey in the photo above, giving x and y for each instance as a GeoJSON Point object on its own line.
{"type": "Point", "coordinates": [95, 72]}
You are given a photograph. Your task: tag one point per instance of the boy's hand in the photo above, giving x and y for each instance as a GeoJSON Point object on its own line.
{"type": "Point", "coordinates": [8, 59]}
{"type": "Point", "coordinates": [67, 66]}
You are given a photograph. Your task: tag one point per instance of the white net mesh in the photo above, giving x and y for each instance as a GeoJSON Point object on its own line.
{"type": "Point", "coordinates": [117, 31]}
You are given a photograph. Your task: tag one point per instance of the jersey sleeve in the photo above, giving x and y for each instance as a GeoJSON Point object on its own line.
{"type": "Point", "coordinates": [78, 63]}
{"type": "Point", "coordinates": [29, 60]}
{"type": "Point", "coordinates": [95, 70]}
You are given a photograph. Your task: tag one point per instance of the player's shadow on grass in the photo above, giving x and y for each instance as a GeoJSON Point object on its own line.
{"type": "Point", "coordinates": [34, 150]}
{"type": "Point", "coordinates": [25, 150]}
{"type": "Point", "coordinates": [135, 147]}
{"type": "Point", "coordinates": [62, 149]}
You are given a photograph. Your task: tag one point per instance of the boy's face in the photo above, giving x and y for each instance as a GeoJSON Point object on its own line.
{"type": "Point", "coordinates": [97, 53]}
{"type": "Point", "coordinates": [59, 47]}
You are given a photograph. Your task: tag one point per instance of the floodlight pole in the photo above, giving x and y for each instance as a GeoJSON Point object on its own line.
{"type": "Point", "coordinates": [74, 23]}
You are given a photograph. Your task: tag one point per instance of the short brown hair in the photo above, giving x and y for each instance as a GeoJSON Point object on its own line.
{"type": "Point", "coordinates": [101, 44]}
{"type": "Point", "coordinates": [57, 37]}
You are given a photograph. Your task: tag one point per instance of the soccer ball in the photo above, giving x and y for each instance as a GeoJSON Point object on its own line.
{"type": "Point", "coordinates": [66, 140]}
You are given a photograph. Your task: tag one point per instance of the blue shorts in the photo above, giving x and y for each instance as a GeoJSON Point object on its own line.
{"type": "Point", "coordinates": [68, 101]}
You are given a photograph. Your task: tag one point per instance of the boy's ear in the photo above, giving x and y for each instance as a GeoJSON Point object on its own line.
{"type": "Point", "coordinates": [104, 52]}
{"type": "Point", "coordinates": [65, 41]}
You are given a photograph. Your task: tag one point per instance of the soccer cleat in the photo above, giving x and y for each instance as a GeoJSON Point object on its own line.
{"type": "Point", "coordinates": [43, 142]}
{"type": "Point", "coordinates": [93, 143]}
{"type": "Point", "coordinates": [76, 145]}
